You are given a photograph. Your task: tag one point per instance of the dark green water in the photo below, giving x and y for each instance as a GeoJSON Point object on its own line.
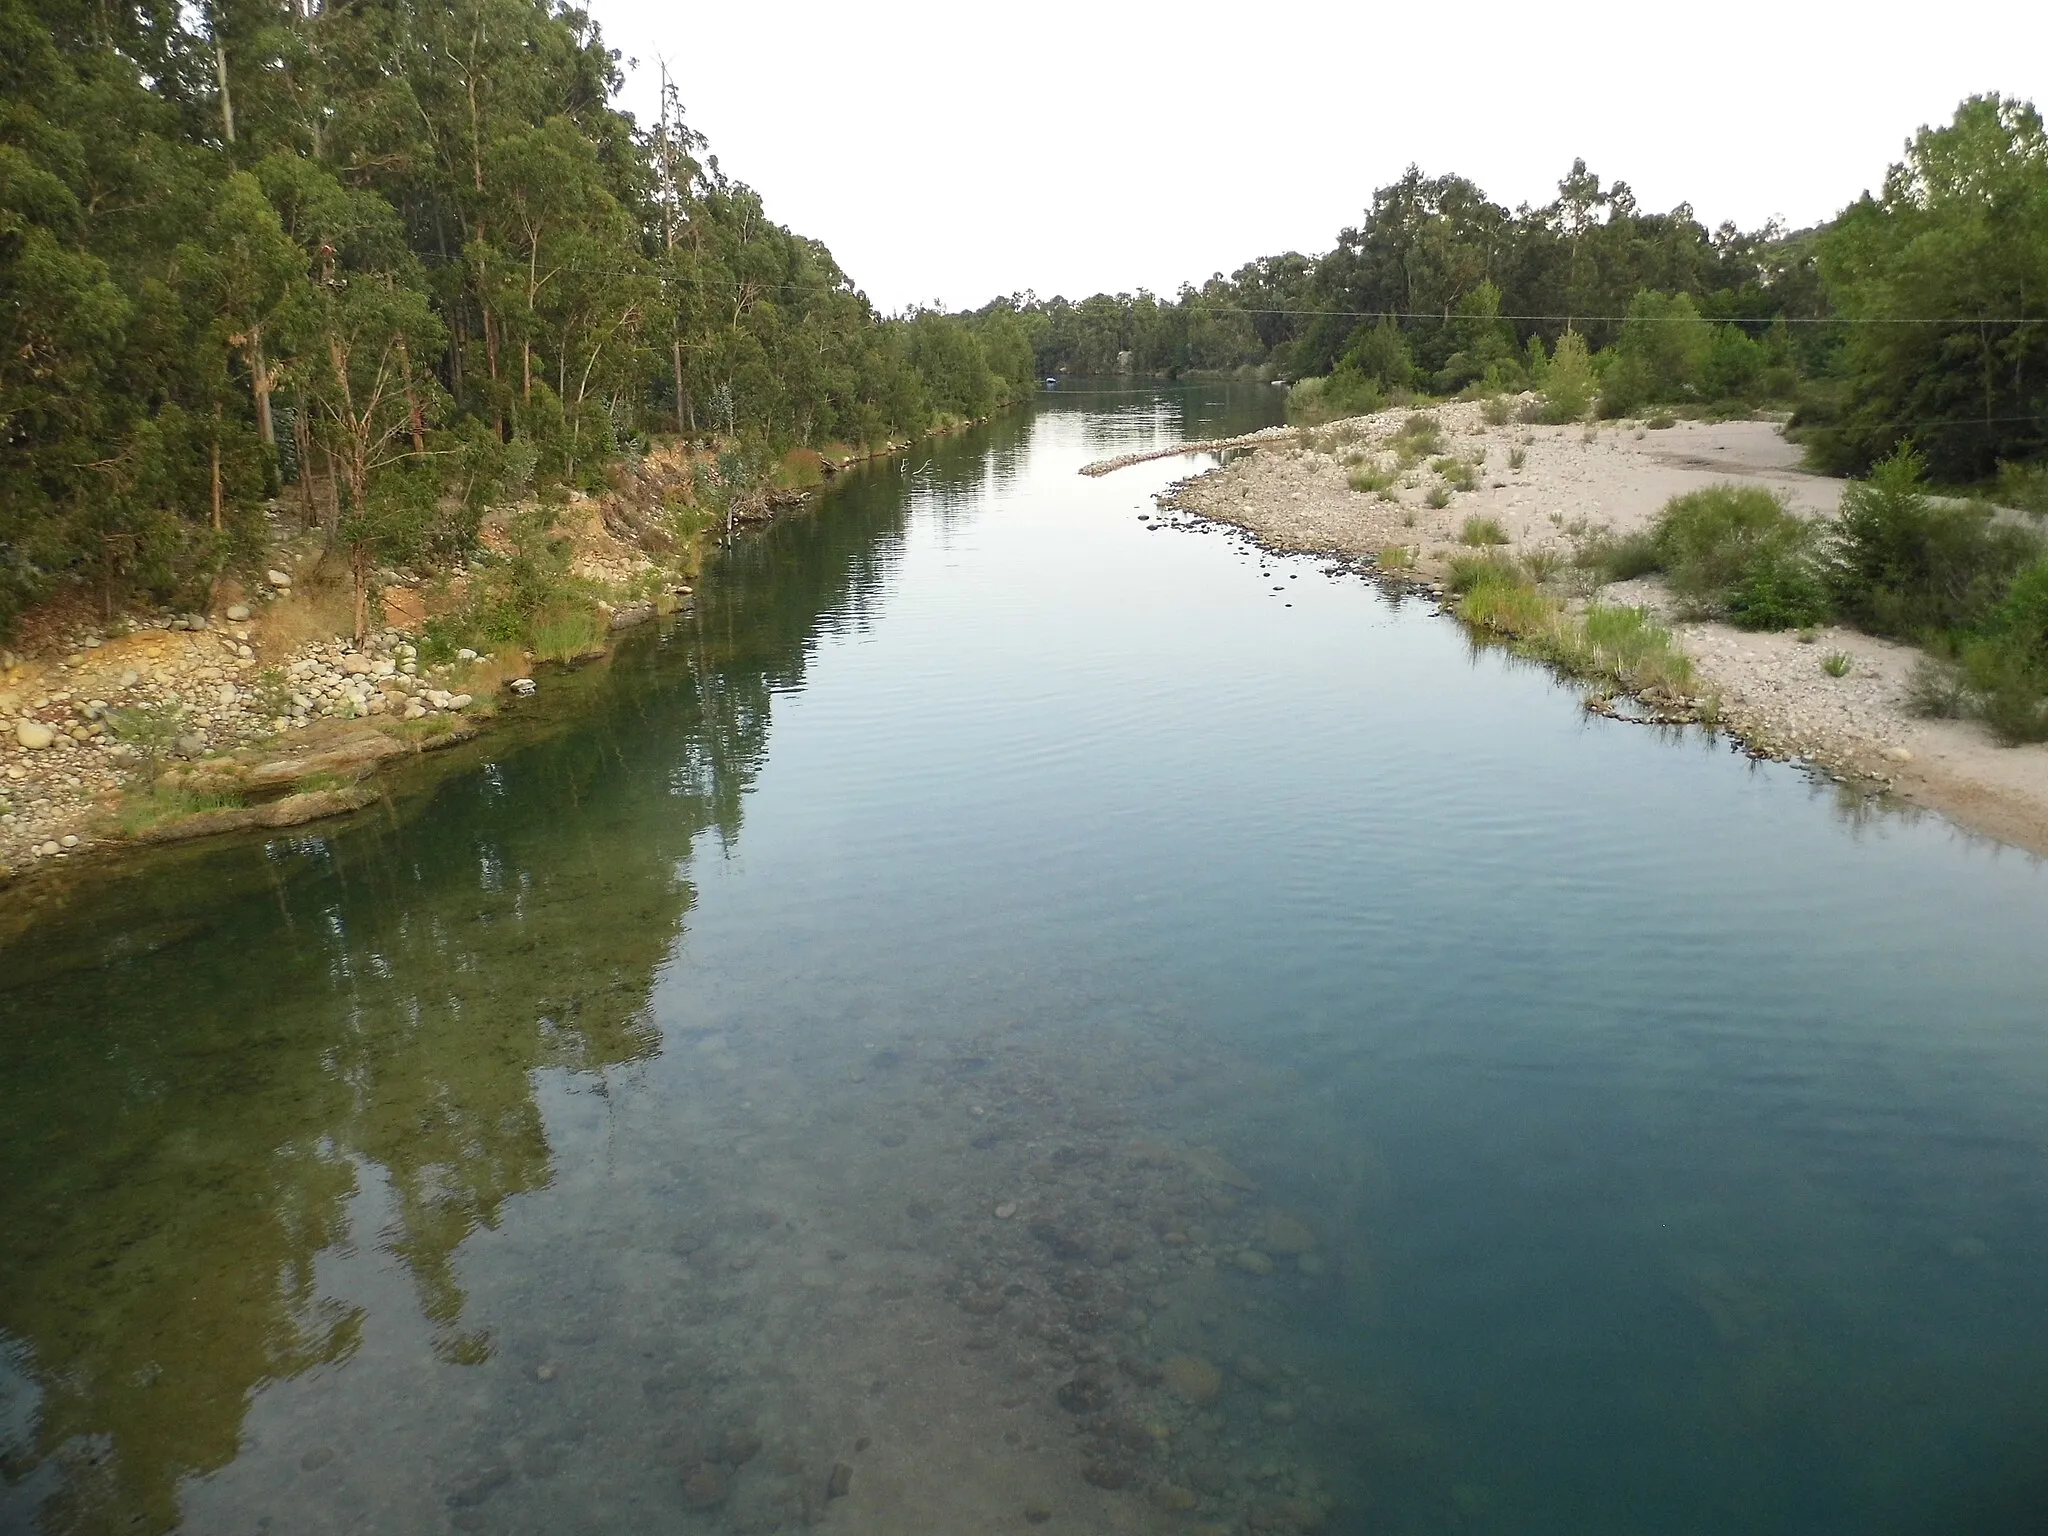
{"type": "Point", "coordinates": [1666, 1139]}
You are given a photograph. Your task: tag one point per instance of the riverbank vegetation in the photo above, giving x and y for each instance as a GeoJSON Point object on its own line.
{"type": "Point", "coordinates": [1920, 313]}
{"type": "Point", "coordinates": [1953, 576]}
{"type": "Point", "coordinates": [379, 269]}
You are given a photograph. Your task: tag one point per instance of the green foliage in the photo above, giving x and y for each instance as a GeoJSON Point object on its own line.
{"type": "Point", "coordinates": [1737, 550]}
{"type": "Point", "coordinates": [151, 732]}
{"type": "Point", "coordinates": [2024, 486]}
{"type": "Point", "coordinates": [1481, 531]}
{"type": "Point", "coordinates": [563, 630]}
{"type": "Point", "coordinates": [1837, 663]}
{"type": "Point", "coordinates": [1438, 496]}
{"type": "Point", "coordinates": [1958, 237]}
{"type": "Point", "coordinates": [1418, 437]}
{"type": "Point", "coordinates": [1660, 356]}
{"type": "Point", "coordinates": [1517, 457]}
{"type": "Point", "coordinates": [1608, 643]}
{"type": "Point", "coordinates": [1903, 564]}
{"type": "Point", "coordinates": [1346, 392]}
{"type": "Point", "coordinates": [1569, 384]}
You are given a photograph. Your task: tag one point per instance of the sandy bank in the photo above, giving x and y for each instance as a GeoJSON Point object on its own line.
{"type": "Point", "coordinates": [1773, 692]}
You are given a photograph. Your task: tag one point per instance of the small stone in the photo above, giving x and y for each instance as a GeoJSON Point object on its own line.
{"type": "Point", "coordinates": [1252, 1262]}
{"type": "Point", "coordinates": [1036, 1514]}
{"type": "Point", "coordinates": [277, 578]}
{"type": "Point", "coordinates": [705, 1486]}
{"type": "Point", "coordinates": [1279, 1413]}
{"type": "Point", "coordinates": [238, 613]}
{"type": "Point", "coordinates": [741, 1446]}
{"type": "Point", "coordinates": [840, 1483]}
{"type": "Point", "coordinates": [68, 841]}
{"type": "Point", "coordinates": [544, 1373]}
{"type": "Point", "coordinates": [1172, 1498]}
{"type": "Point", "coordinates": [1006, 1210]}
{"type": "Point", "coordinates": [1193, 1379]}
{"type": "Point", "coordinates": [1103, 1473]}
{"type": "Point", "coordinates": [1899, 755]}
{"type": "Point", "coordinates": [460, 701]}
{"type": "Point", "coordinates": [983, 1303]}
{"type": "Point", "coordinates": [1288, 1234]}
{"type": "Point", "coordinates": [315, 1459]}
{"type": "Point", "coordinates": [33, 734]}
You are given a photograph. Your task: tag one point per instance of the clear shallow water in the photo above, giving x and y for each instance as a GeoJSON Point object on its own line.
{"type": "Point", "coordinates": [1665, 1139]}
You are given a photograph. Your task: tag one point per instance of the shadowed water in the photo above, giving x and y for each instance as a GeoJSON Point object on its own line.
{"type": "Point", "coordinates": [1009, 1019]}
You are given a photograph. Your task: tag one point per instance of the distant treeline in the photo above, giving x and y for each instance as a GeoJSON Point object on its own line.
{"type": "Point", "coordinates": [1920, 313]}
{"type": "Point", "coordinates": [406, 251]}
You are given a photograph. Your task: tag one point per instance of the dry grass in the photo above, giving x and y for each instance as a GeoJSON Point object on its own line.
{"type": "Point", "coordinates": [308, 615]}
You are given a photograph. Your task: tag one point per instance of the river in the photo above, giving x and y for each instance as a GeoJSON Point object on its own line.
{"type": "Point", "coordinates": [1007, 1017]}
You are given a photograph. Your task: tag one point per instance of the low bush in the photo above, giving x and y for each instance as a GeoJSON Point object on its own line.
{"type": "Point", "coordinates": [1346, 392]}
{"type": "Point", "coordinates": [1902, 564]}
{"type": "Point", "coordinates": [1479, 531]}
{"type": "Point", "coordinates": [1608, 643]}
{"type": "Point", "coordinates": [1727, 549]}
{"type": "Point", "coordinates": [1418, 437]}
{"type": "Point", "coordinates": [563, 631]}
{"type": "Point", "coordinates": [1837, 663]}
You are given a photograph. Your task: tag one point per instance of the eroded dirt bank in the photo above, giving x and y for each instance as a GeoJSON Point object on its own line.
{"type": "Point", "coordinates": [1570, 481]}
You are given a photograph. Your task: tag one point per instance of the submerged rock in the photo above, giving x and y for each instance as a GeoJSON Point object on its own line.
{"type": "Point", "coordinates": [1193, 1379]}
{"type": "Point", "coordinates": [705, 1486]}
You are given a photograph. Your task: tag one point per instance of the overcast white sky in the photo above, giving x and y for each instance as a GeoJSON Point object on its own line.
{"type": "Point", "coordinates": [955, 151]}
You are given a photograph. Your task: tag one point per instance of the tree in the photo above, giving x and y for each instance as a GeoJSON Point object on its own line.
{"type": "Point", "coordinates": [1944, 276]}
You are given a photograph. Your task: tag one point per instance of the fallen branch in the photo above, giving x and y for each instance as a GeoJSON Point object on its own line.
{"type": "Point", "coordinates": [1268, 437]}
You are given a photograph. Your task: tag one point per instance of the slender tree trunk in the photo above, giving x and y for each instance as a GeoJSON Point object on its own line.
{"type": "Point", "coordinates": [227, 105]}
{"type": "Point", "coordinates": [259, 387]}
{"type": "Point", "coordinates": [218, 520]}
{"type": "Point", "coordinates": [676, 355]}
{"type": "Point", "coordinates": [412, 402]}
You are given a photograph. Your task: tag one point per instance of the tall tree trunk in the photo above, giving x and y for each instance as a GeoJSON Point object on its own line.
{"type": "Point", "coordinates": [217, 518]}
{"type": "Point", "coordinates": [227, 104]}
{"type": "Point", "coordinates": [412, 402]}
{"type": "Point", "coordinates": [259, 387]}
{"type": "Point", "coordinates": [676, 356]}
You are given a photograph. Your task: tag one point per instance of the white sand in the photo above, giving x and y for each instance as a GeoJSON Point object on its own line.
{"type": "Point", "coordinates": [1773, 691]}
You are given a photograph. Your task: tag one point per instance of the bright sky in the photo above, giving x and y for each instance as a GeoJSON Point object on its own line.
{"type": "Point", "coordinates": [950, 151]}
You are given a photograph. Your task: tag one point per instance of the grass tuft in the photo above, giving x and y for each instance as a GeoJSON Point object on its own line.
{"type": "Point", "coordinates": [1481, 531]}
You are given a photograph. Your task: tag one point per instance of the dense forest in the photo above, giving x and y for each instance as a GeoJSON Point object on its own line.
{"type": "Point", "coordinates": [398, 262]}
{"type": "Point", "coordinates": [1920, 313]}
{"type": "Point", "coordinates": [410, 254]}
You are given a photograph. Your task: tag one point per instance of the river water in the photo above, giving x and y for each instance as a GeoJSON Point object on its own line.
{"type": "Point", "coordinates": [1008, 1019]}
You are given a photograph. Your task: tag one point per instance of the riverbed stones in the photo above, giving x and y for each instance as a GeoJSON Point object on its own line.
{"type": "Point", "coordinates": [1173, 1498]}
{"type": "Point", "coordinates": [705, 1486]}
{"type": "Point", "coordinates": [839, 1482]}
{"type": "Point", "coordinates": [1288, 1235]}
{"type": "Point", "coordinates": [741, 1446]}
{"type": "Point", "coordinates": [1193, 1380]}
{"type": "Point", "coordinates": [1252, 1262]}
{"type": "Point", "coordinates": [238, 613]}
{"type": "Point", "coordinates": [277, 578]}
{"type": "Point", "coordinates": [33, 734]}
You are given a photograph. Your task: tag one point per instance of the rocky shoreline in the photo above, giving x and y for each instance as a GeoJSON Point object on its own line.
{"type": "Point", "coordinates": [1545, 489]}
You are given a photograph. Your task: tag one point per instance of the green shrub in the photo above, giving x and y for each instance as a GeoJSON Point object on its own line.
{"type": "Point", "coordinates": [1458, 474]}
{"type": "Point", "coordinates": [1370, 478]}
{"type": "Point", "coordinates": [1480, 531]}
{"type": "Point", "coordinates": [1418, 437]}
{"type": "Point", "coordinates": [563, 631]}
{"type": "Point", "coordinates": [1737, 550]}
{"type": "Point", "coordinates": [1346, 392]}
{"type": "Point", "coordinates": [1470, 571]}
{"type": "Point", "coordinates": [1517, 457]}
{"type": "Point", "coordinates": [2024, 486]}
{"type": "Point", "coordinates": [1837, 663]}
{"type": "Point", "coordinates": [1498, 410]}
{"type": "Point", "coordinates": [1569, 381]}
{"type": "Point", "coordinates": [1901, 564]}
{"type": "Point", "coordinates": [1439, 496]}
